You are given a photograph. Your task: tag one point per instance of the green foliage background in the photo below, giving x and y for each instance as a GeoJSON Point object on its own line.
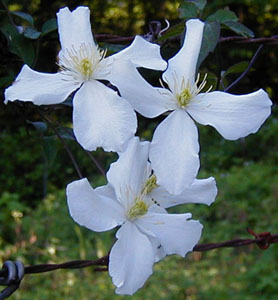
{"type": "Point", "coordinates": [34, 222]}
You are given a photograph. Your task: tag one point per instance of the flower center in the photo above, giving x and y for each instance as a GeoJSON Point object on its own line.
{"type": "Point", "coordinates": [81, 64]}
{"type": "Point", "coordinates": [189, 92]}
{"type": "Point", "coordinates": [139, 206]}
{"type": "Point", "coordinates": [138, 209]}
{"type": "Point", "coordinates": [184, 97]}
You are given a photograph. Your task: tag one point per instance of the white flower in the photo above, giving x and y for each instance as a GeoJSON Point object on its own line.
{"type": "Point", "coordinates": [174, 148]}
{"type": "Point", "coordinates": [100, 117]}
{"type": "Point", "coordinates": [134, 201]}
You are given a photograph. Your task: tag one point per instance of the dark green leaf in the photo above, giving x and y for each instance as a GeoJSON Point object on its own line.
{"type": "Point", "coordinates": [210, 40]}
{"type": "Point", "coordinates": [23, 16]}
{"type": "Point", "coordinates": [112, 48]}
{"type": "Point", "coordinates": [172, 32]}
{"type": "Point", "coordinates": [239, 28]}
{"type": "Point", "coordinates": [222, 15]}
{"type": "Point", "coordinates": [31, 33]}
{"type": "Point", "coordinates": [237, 68]}
{"type": "Point", "coordinates": [18, 44]}
{"type": "Point", "coordinates": [39, 126]}
{"type": "Point", "coordinates": [49, 26]}
{"type": "Point", "coordinates": [188, 10]}
{"type": "Point", "coordinates": [199, 3]}
{"type": "Point", "coordinates": [50, 149]}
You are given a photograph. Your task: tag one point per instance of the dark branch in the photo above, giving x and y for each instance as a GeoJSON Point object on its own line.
{"type": "Point", "coordinates": [63, 143]}
{"type": "Point", "coordinates": [233, 84]}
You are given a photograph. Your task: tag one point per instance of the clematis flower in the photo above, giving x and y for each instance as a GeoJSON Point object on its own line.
{"type": "Point", "coordinates": [100, 117]}
{"type": "Point", "coordinates": [133, 200]}
{"type": "Point", "coordinates": [174, 148]}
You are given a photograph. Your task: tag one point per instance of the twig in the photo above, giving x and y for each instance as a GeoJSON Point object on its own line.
{"type": "Point", "coordinates": [243, 40]}
{"type": "Point", "coordinates": [96, 163]}
{"type": "Point", "coordinates": [64, 144]}
{"type": "Point", "coordinates": [246, 71]}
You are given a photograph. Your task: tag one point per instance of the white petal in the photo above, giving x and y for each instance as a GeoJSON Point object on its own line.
{"type": "Point", "coordinates": [201, 191]}
{"type": "Point", "coordinates": [40, 88]}
{"type": "Point", "coordinates": [149, 101]}
{"type": "Point", "coordinates": [174, 232]}
{"type": "Point", "coordinates": [101, 118]}
{"type": "Point", "coordinates": [232, 116]}
{"type": "Point", "coordinates": [93, 210]}
{"type": "Point", "coordinates": [157, 248]}
{"type": "Point", "coordinates": [183, 65]}
{"type": "Point", "coordinates": [74, 28]}
{"type": "Point", "coordinates": [142, 54]}
{"type": "Point", "coordinates": [174, 152]}
{"type": "Point", "coordinates": [131, 259]}
{"type": "Point", "coordinates": [131, 170]}
{"type": "Point", "coordinates": [106, 191]}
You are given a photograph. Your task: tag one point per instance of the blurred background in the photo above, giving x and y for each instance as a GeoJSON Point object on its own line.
{"type": "Point", "coordinates": [35, 226]}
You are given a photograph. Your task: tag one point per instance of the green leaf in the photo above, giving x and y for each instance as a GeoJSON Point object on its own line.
{"type": "Point", "coordinates": [49, 26]}
{"type": "Point", "coordinates": [18, 44]}
{"type": "Point", "coordinates": [188, 10]}
{"type": "Point", "coordinates": [112, 48]}
{"type": "Point", "coordinates": [172, 32]}
{"type": "Point", "coordinates": [210, 39]}
{"type": "Point", "coordinates": [39, 126]}
{"type": "Point", "coordinates": [237, 68]}
{"type": "Point", "coordinates": [50, 149]}
{"type": "Point", "coordinates": [239, 28]}
{"type": "Point", "coordinates": [222, 15]}
{"type": "Point", "coordinates": [31, 33]}
{"type": "Point", "coordinates": [199, 3]}
{"type": "Point", "coordinates": [24, 16]}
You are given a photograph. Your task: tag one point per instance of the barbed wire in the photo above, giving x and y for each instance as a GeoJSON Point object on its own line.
{"type": "Point", "coordinates": [12, 272]}
{"type": "Point", "coordinates": [272, 40]}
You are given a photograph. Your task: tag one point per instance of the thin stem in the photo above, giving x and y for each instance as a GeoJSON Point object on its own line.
{"type": "Point", "coordinates": [64, 144]}
{"type": "Point", "coordinates": [233, 84]}
{"type": "Point", "coordinates": [96, 163]}
{"type": "Point", "coordinates": [101, 169]}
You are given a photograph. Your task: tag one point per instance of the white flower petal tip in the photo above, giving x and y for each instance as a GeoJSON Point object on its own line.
{"type": "Point", "coordinates": [91, 209]}
{"type": "Point", "coordinates": [131, 169]}
{"type": "Point", "coordinates": [182, 67]}
{"type": "Point", "coordinates": [101, 118]}
{"type": "Point", "coordinates": [143, 54]}
{"type": "Point", "coordinates": [233, 116]}
{"type": "Point", "coordinates": [174, 152]}
{"type": "Point", "coordinates": [39, 88]}
{"type": "Point", "coordinates": [131, 259]}
{"type": "Point", "coordinates": [201, 191]}
{"type": "Point", "coordinates": [74, 28]}
{"type": "Point", "coordinates": [175, 232]}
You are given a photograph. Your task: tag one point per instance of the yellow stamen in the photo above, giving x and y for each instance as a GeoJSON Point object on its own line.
{"type": "Point", "coordinates": [81, 63]}
{"type": "Point", "coordinates": [189, 92]}
{"type": "Point", "coordinates": [138, 209]}
{"type": "Point", "coordinates": [149, 185]}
